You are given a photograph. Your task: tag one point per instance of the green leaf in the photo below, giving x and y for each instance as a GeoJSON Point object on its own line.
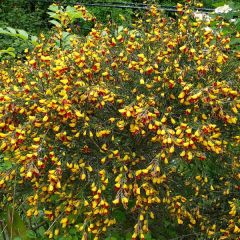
{"type": "Point", "coordinates": [2, 31]}
{"type": "Point", "coordinates": [41, 231]}
{"type": "Point", "coordinates": [148, 236]}
{"type": "Point", "coordinates": [235, 41]}
{"type": "Point", "coordinates": [56, 23]}
{"type": "Point", "coordinates": [70, 9]}
{"type": "Point", "coordinates": [6, 164]}
{"type": "Point", "coordinates": [120, 29]}
{"type": "Point", "coordinates": [237, 25]}
{"type": "Point", "coordinates": [34, 40]}
{"type": "Point", "coordinates": [23, 34]}
{"type": "Point", "coordinates": [53, 15]}
{"type": "Point", "coordinates": [11, 49]}
{"type": "Point", "coordinates": [65, 35]}
{"type": "Point", "coordinates": [11, 30]}
{"type": "Point", "coordinates": [129, 236]}
{"type": "Point", "coordinates": [13, 55]}
{"type": "Point", "coordinates": [31, 234]}
{"type": "Point", "coordinates": [120, 216]}
{"type": "Point", "coordinates": [53, 8]}
{"type": "Point", "coordinates": [58, 44]}
{"type": "Point", "coordinates": [75, 15]}
{"type": "Point", "coordinates": [72, 231]}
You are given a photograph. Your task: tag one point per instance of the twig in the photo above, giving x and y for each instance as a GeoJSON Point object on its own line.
{"type": "Point", "coordinates": [55, 221]}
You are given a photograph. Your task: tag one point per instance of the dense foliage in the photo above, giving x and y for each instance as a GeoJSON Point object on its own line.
{"type": "Point", "coordinates": [128, 131]}
{"type": "Point", "coordinates": [31, 16]}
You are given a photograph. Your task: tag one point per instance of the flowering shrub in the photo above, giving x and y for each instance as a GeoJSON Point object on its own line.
{"type": "Point", "coordinates": [144, 122]}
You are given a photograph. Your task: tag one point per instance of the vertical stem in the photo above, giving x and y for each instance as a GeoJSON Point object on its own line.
{"type": "Point", "coordinates": [2, 230]}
